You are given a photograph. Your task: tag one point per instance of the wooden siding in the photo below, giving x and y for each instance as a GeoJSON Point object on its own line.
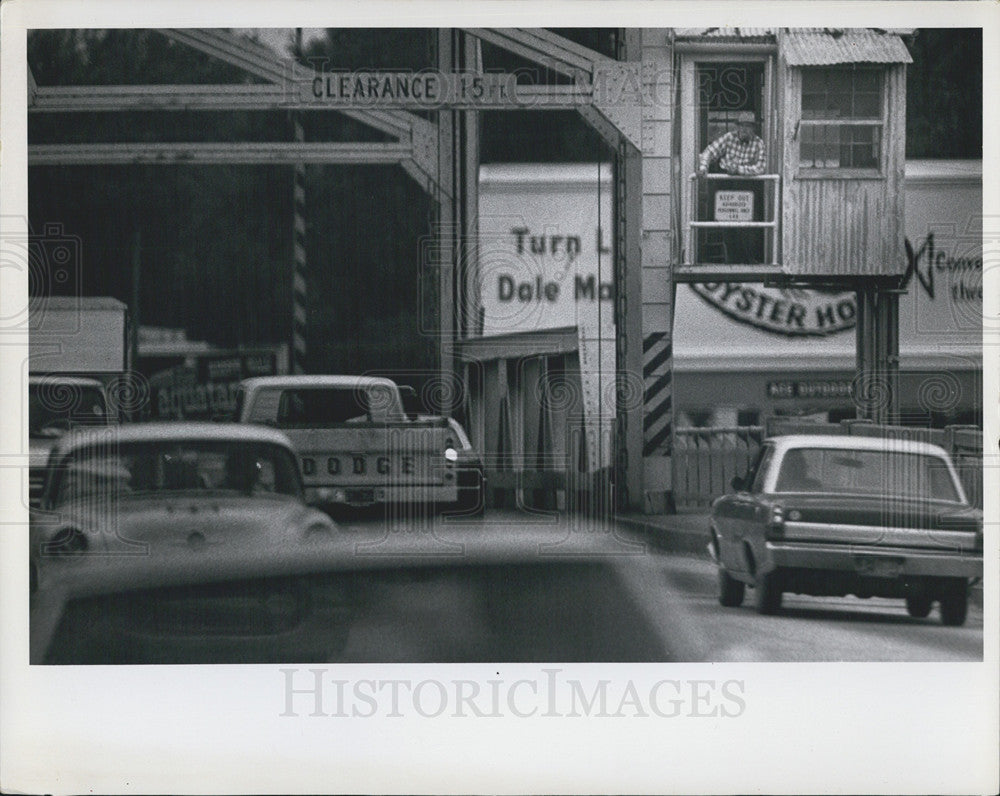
{"type": "Point", "coordinates": [843, 224]}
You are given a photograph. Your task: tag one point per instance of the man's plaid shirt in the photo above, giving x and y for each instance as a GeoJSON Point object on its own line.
{"type": "Point", "coordinates": [734, 156]}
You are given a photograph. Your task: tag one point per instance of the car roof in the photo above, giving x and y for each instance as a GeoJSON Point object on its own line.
{"type": "Point", "coordinates": [851, 442]}
{"type": "Point", "coordinates": [284, 382]}
{"type": "Point", "coordinates": [166, 431]}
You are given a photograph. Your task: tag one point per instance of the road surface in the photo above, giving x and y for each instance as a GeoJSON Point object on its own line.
{"type": "Point", "coordinates": [678, 594]}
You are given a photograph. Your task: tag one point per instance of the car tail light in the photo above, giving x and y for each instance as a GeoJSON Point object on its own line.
{"type": "Point", "coordinates": [66, 541]}
{"type": "Point", "coordinates": [776, 522]}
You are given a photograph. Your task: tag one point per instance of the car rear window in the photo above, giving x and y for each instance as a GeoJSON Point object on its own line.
{"type": "Point", "coordinates": [888, 473]}
{"type": "Point", "coordinates": [57, 405]}
{"type": "Point", "coordinates": [322, 406]}
{"type": "Point", "coordinates": [105, 472]}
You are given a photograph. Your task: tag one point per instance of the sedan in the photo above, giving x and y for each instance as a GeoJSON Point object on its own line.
{"type": "Point", "coordinates": [126, 504]}
{"type": "Point", "coordinates": [839, 515]}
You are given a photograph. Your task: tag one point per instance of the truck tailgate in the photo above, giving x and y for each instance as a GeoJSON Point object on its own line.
{"type": "Point", "coordinates": [368, 455]}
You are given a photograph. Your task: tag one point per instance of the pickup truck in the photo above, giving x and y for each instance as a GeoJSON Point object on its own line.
{"type": "Point", "coordinates": [355, 443]}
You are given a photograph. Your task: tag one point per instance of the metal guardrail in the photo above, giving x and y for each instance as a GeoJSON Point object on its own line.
{"type": "Point", "coordinates": [694, 224]}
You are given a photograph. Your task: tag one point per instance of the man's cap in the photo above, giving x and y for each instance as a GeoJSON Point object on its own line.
{"type": "Point", "coordinates": [746, 117]}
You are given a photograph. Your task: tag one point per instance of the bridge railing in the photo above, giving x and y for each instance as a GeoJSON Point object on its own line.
{"type": "Point", "coordinates": [705, 460]}
{"type": "Point", "coordinates": [526, 417]}
{"type": "Point", "coordinates": [701, 250]}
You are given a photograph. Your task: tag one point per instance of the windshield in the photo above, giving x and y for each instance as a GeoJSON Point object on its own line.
{"type": "Point", "coordinates": [168, 466]}
{"type": "Point", "coordinates": [54, 406]}
{"type": "Point", "coordinates": [854, 472]}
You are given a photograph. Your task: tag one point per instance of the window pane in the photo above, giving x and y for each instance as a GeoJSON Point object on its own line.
{"type": "Point", "coordinates": [814, 81]}
{"type": "Point", "coordinates": [812, 105]}
{"type": "Point", "coordinates": [840, 146]}
{"type": "Point", "coordinates": [866, 80]}
{"type": "Point", "coordinates": [864, 472]}
{"type": "Point", "coordinates": [841, 94]}
{"type": "Point", "coordinates": [867, 106]}
{"type": "Point", "coordinates": [807, 155]}
{"type": "Point", "coordinates": [840, 104]}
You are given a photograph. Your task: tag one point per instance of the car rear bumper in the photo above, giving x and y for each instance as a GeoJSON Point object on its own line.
{"type": "Point", "coordinates": [868, 560]}
{"type": "Point", "coordinates": [368, 496]}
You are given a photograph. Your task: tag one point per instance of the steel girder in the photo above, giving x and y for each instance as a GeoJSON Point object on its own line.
{"type": "Point", "coordinates": [415, 146]}
{"type": "Point", "coordinates": [610, 90]}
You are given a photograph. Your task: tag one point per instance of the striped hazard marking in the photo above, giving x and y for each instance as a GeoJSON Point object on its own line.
{"type": "Point", "coordinates": [657, 394]}
{"type": "Point", "coordinates": [299, 256]}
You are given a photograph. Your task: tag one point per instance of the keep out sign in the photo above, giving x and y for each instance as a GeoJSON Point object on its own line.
{"type": "Point", "coordinates": [734, 206]}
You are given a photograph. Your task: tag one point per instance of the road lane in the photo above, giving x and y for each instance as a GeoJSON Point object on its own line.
{"type": "Point", "coordinates": [678, 594]}
{"type": "Point", "coordinates": [814, 628]}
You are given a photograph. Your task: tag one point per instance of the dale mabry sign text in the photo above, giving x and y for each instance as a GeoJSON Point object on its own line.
{"type": "Point", "coordinates": [566, 248]}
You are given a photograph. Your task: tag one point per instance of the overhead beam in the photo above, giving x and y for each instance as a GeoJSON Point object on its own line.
{"type": "Point", "coordinates": [224, 97]}
{"type": "Point", "coordinates": [389, 118]}
{"type": "Point", "coordinates": [394, 122]}
{"type": "Point", "coordinates": [238, 51]}
{"type": "Point", "coordinates": [604, 82]}
{"type": "Point", "coordinates": [612, 135]}
{"type": "Point", "coordinates": [540, 50]}
{"type": "Point", "coordinates": [566, 49]}
{"type": "Point", "coordinates": [216, 153]}
{"type": "Point", "coordinates": [255, 58]}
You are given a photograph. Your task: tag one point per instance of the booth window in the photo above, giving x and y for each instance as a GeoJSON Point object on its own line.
{"type": "Point", "coordinates": [843, 118]}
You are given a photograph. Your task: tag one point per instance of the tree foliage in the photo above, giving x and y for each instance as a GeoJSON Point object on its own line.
{"type": "Point", "coordinates": [944, 94]}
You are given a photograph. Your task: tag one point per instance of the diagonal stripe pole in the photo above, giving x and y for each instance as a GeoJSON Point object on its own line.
{"type": "Point", "coordinates": [299, 245]}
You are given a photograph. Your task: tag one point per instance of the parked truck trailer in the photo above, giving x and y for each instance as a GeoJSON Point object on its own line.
{"type": "Point", "coordinates": [78, 349]}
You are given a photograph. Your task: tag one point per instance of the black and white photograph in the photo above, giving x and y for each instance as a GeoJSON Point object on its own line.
{"type": "Point", "coordinates": [398, 404]}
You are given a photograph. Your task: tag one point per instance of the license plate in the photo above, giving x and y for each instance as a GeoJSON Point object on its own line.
{"type": "Point", "coordinates": [365, 496]}
{"type": "Point", "coordinates": [878, 566]}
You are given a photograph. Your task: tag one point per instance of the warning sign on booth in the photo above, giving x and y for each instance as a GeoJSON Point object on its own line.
{"type": "Point", "coordinates": [734, 206]}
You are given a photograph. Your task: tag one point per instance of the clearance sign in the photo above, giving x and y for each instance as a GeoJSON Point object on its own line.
{"type": "Point", "coordinates": [425, 89]}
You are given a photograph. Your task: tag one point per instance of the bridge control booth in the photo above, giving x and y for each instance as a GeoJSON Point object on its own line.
{"type": "Point", "coordinates": [823, 210]}
{"type": "Point", "coordinates": [578, 410]}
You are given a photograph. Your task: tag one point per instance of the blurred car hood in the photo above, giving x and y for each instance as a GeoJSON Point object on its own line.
{"type": "Point", "coordinates": [400, 591]}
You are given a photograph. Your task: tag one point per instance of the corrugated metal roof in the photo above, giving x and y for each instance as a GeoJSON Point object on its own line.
{"type": "Point", "coordinates": [815, 46]}
{"type": "Point", "coordinates": [736, 34]}
{"type": "Point", "coordinates": [843, 46]}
